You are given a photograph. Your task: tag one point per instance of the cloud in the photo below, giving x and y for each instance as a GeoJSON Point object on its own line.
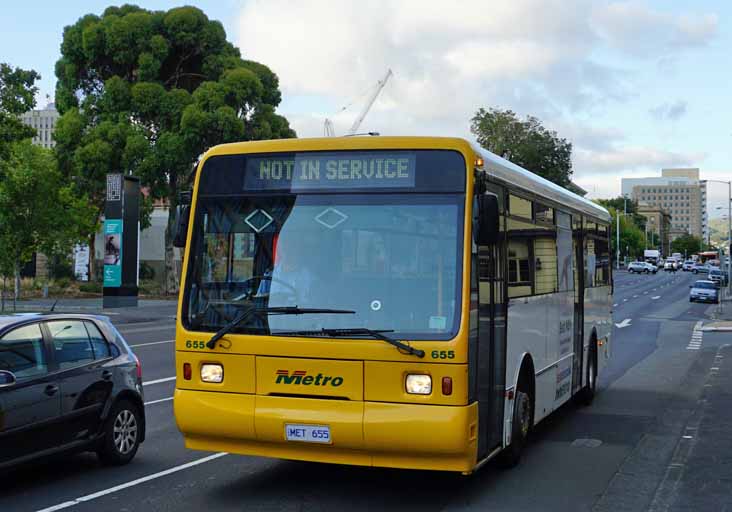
{"type": "Point", "coordinates": [547, 58]}
{"type": "Point", "coordinates": [638, 30]}
{"type": "Point", "coordinates": [669, 111]}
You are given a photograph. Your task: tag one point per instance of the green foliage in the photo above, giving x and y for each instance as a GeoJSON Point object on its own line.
{"type": "Point", "coordinates": [17, 96]}
{"type": "Point", "coordinates": [524, 142]}
{"type": "Point", "coordinates": [632, 237]}
{"type": "Point", "coordinates": [626, 206]}
{"type": "Point", "coordinates": [687, 244]}
{"type": "Point", "coordinates": [39, 211]}
{"type": "Point", "coordinates": [148, 92]}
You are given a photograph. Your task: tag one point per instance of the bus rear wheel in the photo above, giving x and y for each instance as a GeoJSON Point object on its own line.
{"type": "Point", "coordinates": [523, 419]}
{"type": "Point", "coordinates": [588, 392]}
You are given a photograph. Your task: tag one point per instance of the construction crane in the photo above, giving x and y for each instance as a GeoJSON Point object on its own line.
{"type": "Point", "coordinates": [328, 127]}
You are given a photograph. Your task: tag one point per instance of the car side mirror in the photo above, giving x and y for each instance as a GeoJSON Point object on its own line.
{"type": "Point", "coordinates": [486, 219]}
{"type": "Point", "coordinates": [7, 379]}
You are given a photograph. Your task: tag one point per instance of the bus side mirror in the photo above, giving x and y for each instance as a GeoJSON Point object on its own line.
{"type": "Point", "coordinates": [183, 213]}
{"type": "Point", "coordinates": [486, 219]}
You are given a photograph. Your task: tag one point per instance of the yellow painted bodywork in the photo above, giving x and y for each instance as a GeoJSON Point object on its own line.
{"type": "Point", "coordinates": [373, 420]}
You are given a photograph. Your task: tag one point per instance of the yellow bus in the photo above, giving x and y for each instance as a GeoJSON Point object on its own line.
{"type": "Point", "coordinates": [405, 302]}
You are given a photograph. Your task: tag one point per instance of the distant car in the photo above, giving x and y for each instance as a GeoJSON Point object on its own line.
{"type": "Point", "coordinates": [700, 268]}
{"type": "Point", "coordinates": [704, 291]}
{"type": "Point", "coordinates": [670, 266]}
{"type": "Point", "coordinates": [688, 265]}
{"type": "Point", "coordinates": [68, 383]}
{"type": "Point", "coordinates": [651, 267]}
{"type": "Point", "coordinates": [638, 267]}
{"type": "Point", "coordinates": [720, 277]}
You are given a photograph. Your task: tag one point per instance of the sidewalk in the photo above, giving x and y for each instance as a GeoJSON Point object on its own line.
{"type": "Point", "coordinates": [702, 476]}
{"type": "Point", "coordinates": [721, 316]}
{"type": "Point", "coordinates": [146, 311]}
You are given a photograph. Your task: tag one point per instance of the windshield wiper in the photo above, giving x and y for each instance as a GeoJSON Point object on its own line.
{"type": "Point", "coordinates": [359, 331]}
{"type": "Point", "coordinates": [247, 313]}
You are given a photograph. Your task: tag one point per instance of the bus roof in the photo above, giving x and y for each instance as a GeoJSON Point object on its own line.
{"type": "Point", "coordinates": [518, 176]}
{"type": "Point", "coordinates": [496, 166]}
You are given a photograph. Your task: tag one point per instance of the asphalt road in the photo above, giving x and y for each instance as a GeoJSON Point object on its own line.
{"type": "Point", "coordinates": [613, 455]}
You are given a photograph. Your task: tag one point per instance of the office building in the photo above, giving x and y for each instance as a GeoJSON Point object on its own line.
{"type": "Point", "coordinates": [43, 121]}
{"type": "Point", "coordinates": [678, 191]}
{"type": "Point", "coordinates": [658, 224]}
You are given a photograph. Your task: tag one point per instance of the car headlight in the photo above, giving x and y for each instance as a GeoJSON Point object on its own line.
{"type": "Point", "coordinates": [419, 384]}
{"type": "Point", "coordinates": [212, 373]}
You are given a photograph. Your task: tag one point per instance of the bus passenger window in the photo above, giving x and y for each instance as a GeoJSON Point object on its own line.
{"type": "Point", "coordinates": [519, 273]}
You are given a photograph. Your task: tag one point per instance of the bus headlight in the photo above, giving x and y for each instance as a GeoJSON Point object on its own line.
{"type": "Point", "coordinates": [419, 384]}
{"type": "Point", "coordinates": [212, 373]}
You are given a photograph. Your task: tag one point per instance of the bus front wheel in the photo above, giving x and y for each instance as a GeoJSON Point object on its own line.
{"type": "Point", "coordinates": [523, 416]}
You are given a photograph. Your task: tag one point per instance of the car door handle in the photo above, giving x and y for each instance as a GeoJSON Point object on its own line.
{"type": "Point", "coordinates": [51, 389]}
{"type": "Point", "coordinates": [106, 374]}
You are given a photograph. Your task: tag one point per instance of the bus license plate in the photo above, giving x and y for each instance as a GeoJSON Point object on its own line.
{"type": "Point", "coordinates": [308, 433]}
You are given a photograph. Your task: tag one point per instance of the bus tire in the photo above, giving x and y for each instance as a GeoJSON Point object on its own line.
{"type": "Point", "coordinates": [587, 395]}
{"type": "Point", "coordinates": [523, 419]}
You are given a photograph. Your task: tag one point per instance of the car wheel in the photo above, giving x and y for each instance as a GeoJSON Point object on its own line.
{"type": "Point", "coordinates": [122, 434]}
{"type": "Point", "coordinates": [523, 419]}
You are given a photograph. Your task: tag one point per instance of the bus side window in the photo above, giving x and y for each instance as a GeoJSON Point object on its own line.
{"type": "Point", "coordinates": [519, 271]}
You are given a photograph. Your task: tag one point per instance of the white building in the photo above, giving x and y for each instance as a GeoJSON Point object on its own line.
{"type": "Point", "coordinates": [44, 122]}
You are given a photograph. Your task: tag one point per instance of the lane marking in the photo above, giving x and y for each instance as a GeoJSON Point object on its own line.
{"type": "Point", "coordinates": [158, 401]}
{"type": "Point", "coordinates": [152, 343]}
{"type": "Point", "coordinates": [695, 343]}
{"type": "Point", "coordinates": [145, 329]}
{"type": "Point", "coordinates": [625, 300]}
{"type": "Point", "coordinates": [624, 323]}
{"type": "Point", "coordinates": [615, 305]}
{"type": "Point", "coordinates": [656, 297]}
{"type": "Point", "coordinates": [158, 381]}
{"type": "Point", "coordinates": [126, 485]}
{"type": "Point", "coordinates": [635, 296]}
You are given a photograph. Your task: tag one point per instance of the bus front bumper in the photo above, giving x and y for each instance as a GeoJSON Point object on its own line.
{"type": "Point", "coordinates": [413, 436]}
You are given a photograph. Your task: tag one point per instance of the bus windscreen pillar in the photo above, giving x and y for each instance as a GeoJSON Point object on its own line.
{"type": "Point", "coordinates": [121, 235]}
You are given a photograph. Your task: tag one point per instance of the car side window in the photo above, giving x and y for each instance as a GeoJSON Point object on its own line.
{"type": "Point", "coordinates": [99, 344]}
{"type": "Point", "coordinates": [21, 352]}
{"type": "Point", "coordinates": [71, 343]}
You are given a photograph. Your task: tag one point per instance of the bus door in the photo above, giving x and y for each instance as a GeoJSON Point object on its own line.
{"type": "Point", "coordinates": [579, 300]}
{"type": "Point", "coordinates": [491, 343]}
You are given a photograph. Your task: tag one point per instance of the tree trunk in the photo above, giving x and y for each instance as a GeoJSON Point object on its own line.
{"type": "Point", "coordinates": [172, 278]}
{"type": "Point", "coordinates": [16, 294]}
{"type": "Point", "coordinates": [92, 255]}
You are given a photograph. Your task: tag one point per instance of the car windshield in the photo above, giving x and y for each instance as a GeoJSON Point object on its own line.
{"type": "Point", "coordinates": [393, 258]}
{"type": "Point", "coordinates": [705, 285]}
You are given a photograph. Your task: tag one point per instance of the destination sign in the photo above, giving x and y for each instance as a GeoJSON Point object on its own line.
{"type": "Point", "coordinates": [331, 171]}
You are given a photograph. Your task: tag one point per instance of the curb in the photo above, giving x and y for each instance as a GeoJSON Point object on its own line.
{"type": "Point", "coordinates": [717, 329]}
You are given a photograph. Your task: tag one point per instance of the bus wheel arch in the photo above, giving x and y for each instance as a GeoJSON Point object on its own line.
{"type": "Point", "coordinates": [523, 413]}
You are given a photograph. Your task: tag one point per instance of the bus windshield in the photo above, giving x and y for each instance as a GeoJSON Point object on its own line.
{"type": "Point", "coordinates": [393, 258]}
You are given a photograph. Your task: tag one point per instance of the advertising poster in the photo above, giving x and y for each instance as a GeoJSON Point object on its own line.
{"type": "Point", "coordinates": [81, 262]}
{"type": "Point", "coordinates": [113, 253]}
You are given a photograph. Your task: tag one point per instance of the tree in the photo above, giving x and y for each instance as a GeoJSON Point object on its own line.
{"type": "Point", "coordinates": [148, 92]}
{"type": "Point", "coordinates": [526, 143]}
{"type": "Point", "coordinates": [39, 212]}
{"type": "Point", "coordinates": [17, 96]}
{"type": "Point", "coordinates": [687, 245]}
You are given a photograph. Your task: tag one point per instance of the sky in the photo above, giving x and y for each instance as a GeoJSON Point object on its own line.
{"type": "Point", "coordinates": [634, 85]}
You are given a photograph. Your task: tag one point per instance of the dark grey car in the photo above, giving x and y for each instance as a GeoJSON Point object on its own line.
{"type": "Point", "coordinates": [68, 383]}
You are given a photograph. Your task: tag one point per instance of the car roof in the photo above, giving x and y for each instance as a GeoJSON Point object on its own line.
{"type": "Point", "coordinates": [704, 281]}
{"type": "Point", "coordinates": [13, 319]}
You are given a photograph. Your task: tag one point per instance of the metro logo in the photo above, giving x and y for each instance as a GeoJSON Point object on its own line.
{"type": "Point", "coordinates": [301, 377]}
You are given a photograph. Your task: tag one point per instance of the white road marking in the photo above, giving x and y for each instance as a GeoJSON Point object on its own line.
{"type": "Point", "coordinates": [656, 297]}
{"type": "Point", "coordinates": [145, 329]}
{"type": "Point", "coordinates": [625, 300]}
{"type": "Point", "coordinates": [152, 343]}
{"type": "Point", "coordinates": [158, 381]}
{"type": "Point", "coordinates": [126, 485]}
{"type": "Point", "coordinates": [624, 323]}
{"type": "Point", "coordinates": [696, 337]}
{"type": "Point", "coordinates": [645, 293]}
{"type": "Point", "coordinates": [158, 401]}
{"type": "Point", "coordinates": [615, 305]}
